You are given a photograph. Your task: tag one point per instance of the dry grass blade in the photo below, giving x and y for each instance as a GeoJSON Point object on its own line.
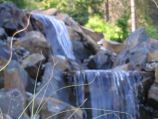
{"type": "Point", "coordinates": [155, 3]}
{"type": "Point", "coordinates": [1, 114]}
{"type": "Point", "coordinates": [11, 43]}
{"type": "Point", "coordinates": [35, 89]}
{"type": "Point", "coordinates": [77, 109]}
{"type": "Point", "coordinates": [37, 95]}
{"type": "Point", "coordinates": [95, 109]}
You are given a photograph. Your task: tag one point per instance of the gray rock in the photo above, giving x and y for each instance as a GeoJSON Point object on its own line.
{"type": "Point", "coordinates": [102, 60]}
{"type": "Point", "coordinates": [3, 35]}
{"type": "Point", "coordinates": [54, 79]}
{"type": "Point", "coordinates": [137, 37]}
{"type": "Point", "coordinates": [15, 77]}
{"type": "Point", "coordinates": [12, 102]}
{"type": "Point", "coordinates": [136, 50]}
{"type": "Point", "coordinates": [32, 60]}
{"type": "Point", "coordinates": [32, 63]}
{"type": "Point", "coordinates": [12, 18]}
{"type": "Point", "coordinates": [34, 42]}
{"type": "Point", "coordinates": [53, 107]}
{"type": "Point", "coordinates": [153, 95]}
{"type": "Point", "coordinates": [81, 52]}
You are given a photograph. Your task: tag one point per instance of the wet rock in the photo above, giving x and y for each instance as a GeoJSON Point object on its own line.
{"type": "Point", "coordinates": [35, 42]}
{"type": "Point", "coordinates": [80, 51]}
{"type": "Point", "coordinates": [111, 45]}
{"type": "Point", "coordinates": [5, 53]}
{"type": "Point", "coordinates": [124, 67]}
{"type": "Point", "coordinates": [59, 62]}
{"type": "Point", "coordinates": [102, 60]}
{"type": "Point", "coordinates": [3, 34]}
{"type": "Point", "coordinates": [136, 56]}
{"type": "Point", "coordinates": [21, 53]}
{"type": "Point", "coordinates": [12, 18]}
{"type": "Point", "coordinates": [136, 38]}
{"type": "Point", "coordinates": [153, 96]}
{"type": "Point", "coordinates": [54, 79]}
{"type": "Point", "coordinates": [53, 107]}
{"type": "Point", "coordinates": [12, 103]}
{"type": "Point", "coordinates": [135, 51]}
{"type": "Point", "coordinates": [150, 66]}
{"type": "Point", "coordinates": [16, 77]}
{"type": "Point", "coordinates": [73, 34]}
{"type": "Point", "coordinates": [33, 63]}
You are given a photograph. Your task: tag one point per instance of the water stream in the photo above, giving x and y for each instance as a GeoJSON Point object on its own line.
{"type": "Point", "coordinates": [57, 35]}
{"type": "Point", "coordinates": [112, 94]}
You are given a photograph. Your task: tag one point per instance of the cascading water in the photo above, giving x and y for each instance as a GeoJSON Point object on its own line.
{"type": "Point", "coordinates": [111, 94]}
{"type": "Point", "coordinates": [57, 35]}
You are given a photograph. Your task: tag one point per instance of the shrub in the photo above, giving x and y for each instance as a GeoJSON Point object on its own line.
{"type": "Point", "coordinates": [110, 31]}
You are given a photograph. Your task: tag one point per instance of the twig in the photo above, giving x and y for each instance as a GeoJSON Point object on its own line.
{"type": "Point", "coordinates": [11, 43]}
{"type": "Point", "coordinates": [155, 3]}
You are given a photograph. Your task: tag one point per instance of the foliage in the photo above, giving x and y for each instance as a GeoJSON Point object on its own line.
{"type": "Point", "coordinates": [78, 9]}
{"type": "Point", "coordinates": [110, 31]}
{"type": "Point", "coordinates": [28, 4]}
{"type": "Point", "coordinates": [122, 23]}
{"type": "Point", "coordinates": [152, 31]}
{"type": "Point", "coordinates": [90, 13]}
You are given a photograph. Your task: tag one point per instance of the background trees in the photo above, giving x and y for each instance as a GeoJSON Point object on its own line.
{"type": "Point", "coordinates": [111, 17]}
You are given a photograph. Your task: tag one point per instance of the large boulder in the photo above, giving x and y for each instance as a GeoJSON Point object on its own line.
{"type": "Point", "coordinates": [135, 51]}
{"type": "Point", "coordinates": [33, 65]}
{"type": "Point", "coordinates": [80, 51]}
{"type": "Point", "coordinates": [34, 42]}
{"type": "Point", "coordinates": [102, 60]}
{"type": "Point", "coordinates": [12, 103]}
{"type": "Point", "coordinates": [15, 77]}
{"type": "Point", "coordinates": [54, 79]}
{"type": "Point", "coordinates": [137, 37]}
{"type": "Point", "coordinates": [12, 18]}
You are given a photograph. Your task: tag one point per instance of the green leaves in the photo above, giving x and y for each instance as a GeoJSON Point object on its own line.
{"type": "Point", "coordinates": [110, 31]}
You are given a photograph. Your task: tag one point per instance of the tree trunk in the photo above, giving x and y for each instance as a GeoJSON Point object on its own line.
{"type": "Point", "coordinates": [133, 15]}
{"type": "Point", "coordinates": [107, 10]}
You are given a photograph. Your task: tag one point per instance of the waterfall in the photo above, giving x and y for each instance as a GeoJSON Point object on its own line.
{"type": "Point", "coordinates": [111, 94]}
{"type": "Point", "coordinates": [57, 35]}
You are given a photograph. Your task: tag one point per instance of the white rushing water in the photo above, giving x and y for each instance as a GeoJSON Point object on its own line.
{"type": "Point", "coordinates": [111, 94]}
{"type": "Point", "coordinates": [57, 35]}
